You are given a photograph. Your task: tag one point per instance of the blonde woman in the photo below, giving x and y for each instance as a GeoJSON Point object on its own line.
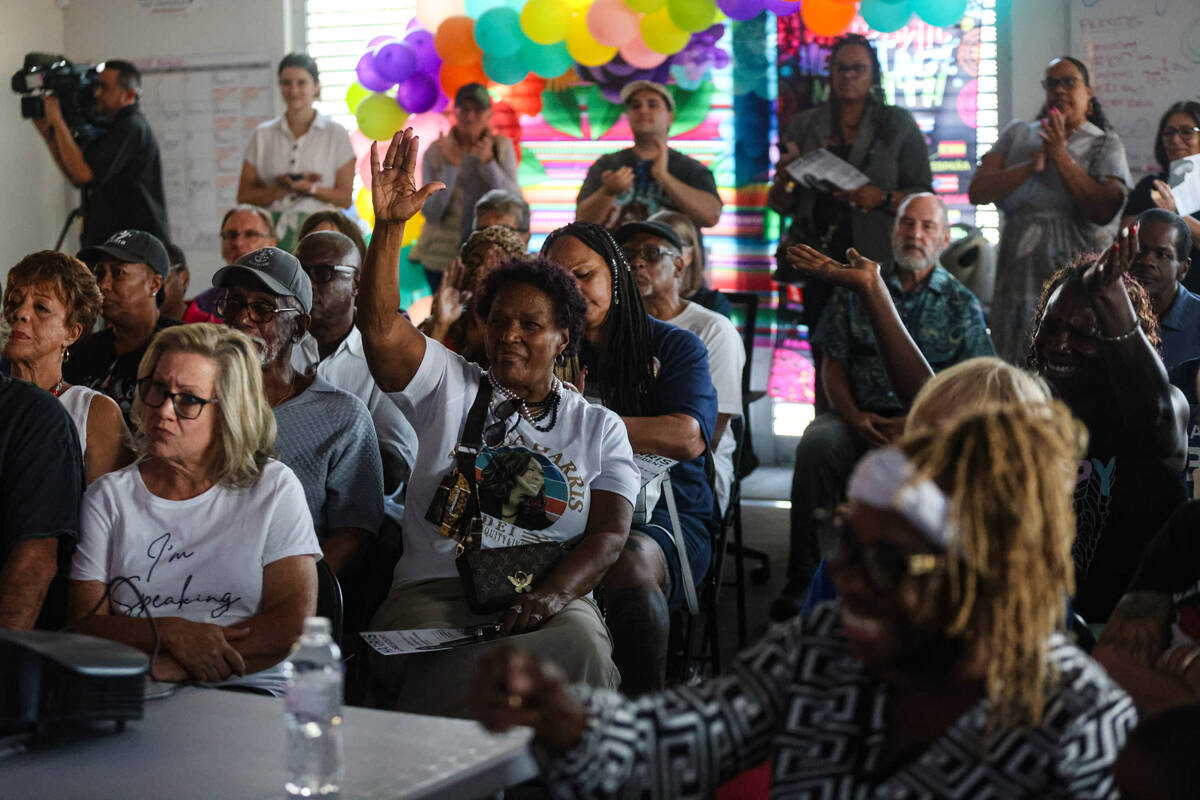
{"type": "Point", "coordinates": [205, 531]}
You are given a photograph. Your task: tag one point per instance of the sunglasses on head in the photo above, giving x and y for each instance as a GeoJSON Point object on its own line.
{"type": "Point", "coordinates": [884, 566]}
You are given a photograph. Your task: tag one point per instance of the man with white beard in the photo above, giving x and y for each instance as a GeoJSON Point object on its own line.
{"type": "Point", "coordinates": [944, 319]}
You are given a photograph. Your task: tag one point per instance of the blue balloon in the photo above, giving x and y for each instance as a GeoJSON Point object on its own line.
{"type": "Point", "coordinates": [883, 16]}
{"type": "Point", "coordinates": [504, 69]}
{"type": "Point", "coordinates": [498, 32]}
{"type": "Point", "coordinates": [940, 13]}
{"type": "Point", "coordinates": [476, 8]}
{"type": "Point", "coordinates": [546, 60]}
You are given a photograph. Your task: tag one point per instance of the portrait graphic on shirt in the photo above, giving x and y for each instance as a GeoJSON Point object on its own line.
{"type": "Point", "coordinates": [1094, 482]}
{"type": "Point", "coordinates": [519, 489]}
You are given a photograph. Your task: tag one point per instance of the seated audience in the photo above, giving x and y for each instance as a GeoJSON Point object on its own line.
{"type": "Point", "coordinates": [325, 434]}
{"type": "Point", "coordinates": [130, 269]}
{"type": "Point", "coordinates": [1164, 242]}
{"type": "Point", "coordinates": [656, 377]}
{"type": "Point", "coordinates": [947, 323]}
{"type": "Point", "coordinates": [244, 229]}
{"type": "Point", "coordinates": [938, 672]}
{"type": "Point", "coordinates": [502, 207]}
{"type": "Point", "coordinates": [1152, 639]}
{"type": "Point", "coordinates": [566, 464]}
{"type": "Point", "coordinates": [333, 349]}
{"type": "Point", "coordinates": [51, 299]}
{"type": "Point", "coordinates": [655, 253]}
{"type": "Point", "coordinates": [206, 532]}
{"type": "Point", "coordinates": [1178, 137]}
{"type": "Point", "coordinates": [693, 285]}
{"type": "Point", "coordinates": [175, 287]}
{"type": "Point", "coordinates": [334, 221]}
{"type": "Point", "coordinates": [41, 481]}
{"type": "Point", "coordinates": [450, 321]}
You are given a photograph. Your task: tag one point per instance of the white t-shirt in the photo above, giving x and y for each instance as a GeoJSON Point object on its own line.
{"type": "Point", "coordinates": [78, 402]}
{"type": "Point", "coordinates": [534, 486]}
{"type": "Point", "coordinates": [726, 357]}
{"type": "Point", "coordinates": [201, 559]}
{"type": "Point", "coordinates": [324, 148]}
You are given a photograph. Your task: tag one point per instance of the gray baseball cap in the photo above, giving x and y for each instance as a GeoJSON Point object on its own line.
{"type": "Point", "coordinates": [130, 247]}
{"type": "Point", "coordinates": [278, 270]}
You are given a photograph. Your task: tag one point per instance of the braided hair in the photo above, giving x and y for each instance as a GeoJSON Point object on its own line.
{"type": "Point", "coordinates": [1095, 114]}
{"type": "Point", "coordinates": [625, 366]}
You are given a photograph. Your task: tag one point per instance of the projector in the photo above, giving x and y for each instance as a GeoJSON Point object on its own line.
{"type": "Point", "coordinates": [50, 679]}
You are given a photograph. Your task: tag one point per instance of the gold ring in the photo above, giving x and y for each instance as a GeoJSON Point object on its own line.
{"type": "Point", "coordinates": [514, 700]}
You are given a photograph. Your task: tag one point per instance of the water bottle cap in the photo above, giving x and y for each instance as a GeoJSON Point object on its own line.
{"type": "Point", "coordinates": [317, 625]}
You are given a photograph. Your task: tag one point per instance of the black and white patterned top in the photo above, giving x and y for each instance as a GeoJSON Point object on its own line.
{"type": "Point", "coordinates": [803, 700]}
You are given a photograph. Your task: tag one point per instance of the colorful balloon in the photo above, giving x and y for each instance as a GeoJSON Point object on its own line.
{"type": "Point", "coordinates": [455, 41]}
{"type": "Point", "coordinates": [583, 47]}
{"type": "Point", "coordinates": [498, 32]}
{"type": "Point", "coordinates": [412, 228]}
{"type": "Point", "coordinates": [545, 60]}
{"type": "Point", "coordinates": [453, 76]}
{"type": "Point", "coordinates": [545, 21]}
{"type": "Point", "coordinates": [431, 13]}
{"type": "Point", "coordinates": [611, 22]}
{"type": "Point", "coordinates": [661, 34]}
{"type": "Point", "coordinates": [368, 76]}
{"type": "Point", "coordinates": [417, 94]}
{"type": "Point", "coordinates": [362, 204]}
{"type": "Point", "coordinates": [741, 9]}
{"type": "Point", "coordinates": [421, 43]}
{"type": "Point", "coordinates": [395, 61]}
{"type": "Point", "coordinates": [645, 6]}
{"type": "Point", "coordinates": [379, 117]}
{"type": "Point", "coordinates": [504, 69]}
{"type": "Point", "coordinates": [883, 16]}
{"type": "Point", "coordinates": [827, 17]}
{"type": "Point", "coordinates": [940, 13]}
{"type": "Point", "coordinates": [692, 15]}
{"type": "Point", "coordinates": [781, 8]}
{"type": "Point", "coordinates": [476, 8]}
{"type": "Point", "coordinates": [637, 54]}
{"type": "Point", "coordinates": [355, 95]}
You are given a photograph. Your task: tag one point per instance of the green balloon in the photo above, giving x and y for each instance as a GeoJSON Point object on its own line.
{"type": "Point", "coordinates": [545, 60]}
{"type": "Point", "coordinates": [379, 117]}
{"type": "Point", "coordinates": [355, 95]}
{"type": "Point", "coordinates": [692, 15]}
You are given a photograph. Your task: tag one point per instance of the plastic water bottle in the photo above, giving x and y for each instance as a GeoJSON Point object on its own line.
{"type": "Point", "coordinates": [315, 763]}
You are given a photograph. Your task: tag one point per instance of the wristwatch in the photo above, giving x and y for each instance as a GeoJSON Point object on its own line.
{"type": "Point", "coordinates": [887, 200]}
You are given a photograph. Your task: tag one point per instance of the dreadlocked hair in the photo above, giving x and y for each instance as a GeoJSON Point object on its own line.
{"type": "Point", "coordinates": [1008, 472]}
{"type": "Point", "coordinates": [1073, 272]}
{"type": "Point", "coordinates": [625, 366]}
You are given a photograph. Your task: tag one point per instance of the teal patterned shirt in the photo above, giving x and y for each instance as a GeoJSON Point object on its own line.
{"type": "Point", "coordinates": [942, 315]}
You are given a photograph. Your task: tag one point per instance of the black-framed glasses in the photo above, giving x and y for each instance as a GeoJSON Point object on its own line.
{"type": "Point", "coordinates": [260, 311]}
{"type": "Point", "coordinates": [187, 405]}
{"type": "Point", "coordinates": [324, 273]}
{"type": "Point", "coordinates": [233, 236]}
{"type": "Point", "coordinates": [884, 566]}
{"type": "Point", "coordinates": [850, 69]}
{"type": "Point", "coordinates": [494, 434]}
{"type": "Point", "coordinates": [649, 254]}
{"type": "Point", "coordinates": [1184, 132]}
{"type": "Point", "coordinates": [1069, 83]}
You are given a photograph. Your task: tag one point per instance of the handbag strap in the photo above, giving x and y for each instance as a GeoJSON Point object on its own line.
{"type": "Point", "coordinates": [465, 455]}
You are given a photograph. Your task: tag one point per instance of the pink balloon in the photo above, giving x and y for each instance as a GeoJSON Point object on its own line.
{"type": "Point", "coordinates": [359, 143]}
{"type": "Point", "coordinates": [364, 169]}
{"type": "Point", "coordinates": [428, 126]}
{"type": "Point", "coordinates": [612, 22]}
{"type": "Point", "coordinates": [639, 55]}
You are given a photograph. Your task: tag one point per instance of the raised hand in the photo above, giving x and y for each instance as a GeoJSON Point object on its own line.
{"type": "Point", "coordinates": [513, 688]}
{"type": "Point", "coordinates": [1103, 282]}
{"type": "Point", "coordinates": [616, 181]}
{"type": "Point", "coordinates": [858, 275]}
{"type": "Point", "coordinates": [1163, 197]}
{"type": "Point", "coordinates": [394, 191]}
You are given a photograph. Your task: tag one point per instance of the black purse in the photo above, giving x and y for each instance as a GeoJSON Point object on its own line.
{"type": "Point", "coordinates": [494, 578]}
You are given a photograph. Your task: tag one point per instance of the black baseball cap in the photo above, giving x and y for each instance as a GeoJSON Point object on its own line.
{"type": "Point", "coordinates": [130, 247]}
{"type": "Point", "coordinates": [660, 229]}
{"type": "Point", "coordinates": [276, 269]}
{"type": "Point", "coordinates": [475, 93]}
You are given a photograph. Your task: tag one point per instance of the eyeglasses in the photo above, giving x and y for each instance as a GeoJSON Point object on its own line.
{"type": "Point", "coordinates": [187, 406]}
{"type": "Point", "coordinates": [260, 311]}
{"type": "Point", "coordinates": [884, 566]}
{"type": "Point", "coordinates": [850, 69]}
{"type": "Point", "coordinates": [1184, 132]}
{"type": "Point", "coordinates": [324, 273]}
{"type": "Point", "coordinates": [1050, 84]}
{"type": "Point", "coordinates": [494, 434]}
{"type": "Point", "coordinates": [233, 236]}
{"type": "Point", "coordinates": [648, 254]}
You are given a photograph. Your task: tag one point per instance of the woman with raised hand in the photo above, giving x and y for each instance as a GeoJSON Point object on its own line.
{"type": "Point", "coordinates": [1061, 182]}
{"type": "Point", "coordinates": [937, 670]}
{"type": "Point", "coordinates": [206, 532]}
{"type": "Point", "coordinates": [50, 301]}
{"type": "Point", "coordinates": [553, 467]}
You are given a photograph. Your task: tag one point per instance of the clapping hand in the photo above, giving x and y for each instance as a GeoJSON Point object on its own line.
{"type": "Point", "coordinates": [483, 148]}
{"type": "Point", "coordinates": [658, 163]}
{"type": "Point", "coordinates": [513, 688]}
{"type": "Point", "coordinates": [1054, 136]}
{"type": "Point", "coordinates": [451, 298]}
{"type": "Point", "coordinates": [1163, 197]}
{"type": "Point", "coordinates": [616, 181]}
{"type": "Point", "coordinates": [394, 191]}
{"type": "Point", "coordinates": [858, 275]}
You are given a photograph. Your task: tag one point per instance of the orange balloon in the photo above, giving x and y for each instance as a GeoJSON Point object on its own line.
{"type": "Point", "coordinates": [455, 41]}
{"type": "Point", "coordinates": [454, 76]}
{"type": "Point", "coordinates": [827, 17]}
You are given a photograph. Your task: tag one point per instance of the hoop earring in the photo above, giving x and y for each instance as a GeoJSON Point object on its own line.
{"type": "Point", "coordinates": [560, 360]}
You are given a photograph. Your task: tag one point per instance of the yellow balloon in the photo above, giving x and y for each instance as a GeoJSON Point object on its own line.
{"type": "Point", "coordinates": [545, 21]}
{"type": "Point", "coordinates": [661, 34]}
{"type": "Point", "coordinates": [355, 95]}
{"type": "Point", "coordinates": [412, 229]}
{"type": "Point", "coordinates": [379, 117]}
{"type": "Point", "coordinates": [362, 204]}
{"type": "Point", "coordinates": [583, 47]}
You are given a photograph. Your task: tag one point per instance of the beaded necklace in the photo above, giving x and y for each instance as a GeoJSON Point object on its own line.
{"type": "Point", "coordinates": [546, 408]}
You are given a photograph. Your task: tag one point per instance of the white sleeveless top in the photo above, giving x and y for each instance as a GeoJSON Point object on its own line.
{"type": "Point", "coordinates": [78, 402]}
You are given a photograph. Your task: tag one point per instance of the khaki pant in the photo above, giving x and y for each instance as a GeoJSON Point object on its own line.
{"type": "Point", "coordinates": [438, 683]}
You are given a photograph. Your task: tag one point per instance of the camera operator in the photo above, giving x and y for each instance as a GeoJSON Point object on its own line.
{"type": "Point", "coordinates": [119, 172]}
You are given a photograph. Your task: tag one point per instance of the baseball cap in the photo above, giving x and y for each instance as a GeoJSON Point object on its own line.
{"type": "Point", "coordinates": [130, 247]}
{"type": "Point", "coordinates": [660, 229]}
{"type": "Point", "coordinates": [630, 89]}
{"type": "Point", "coordinates": [473, 93]}
{"type": "Point", "coordinates": [276, 269]}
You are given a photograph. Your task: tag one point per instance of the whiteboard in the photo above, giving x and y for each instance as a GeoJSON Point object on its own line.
{"type": "Point", "coordinates": [202, 110]}
{"type": "Point", "coordinates": [1144, 55]}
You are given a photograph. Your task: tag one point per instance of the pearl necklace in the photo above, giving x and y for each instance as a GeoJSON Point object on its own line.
{"type": "Point", "coordinates": [548, 407]}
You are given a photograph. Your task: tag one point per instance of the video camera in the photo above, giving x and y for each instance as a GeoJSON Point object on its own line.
{"type": "Point", "coordinates": [72, 84]}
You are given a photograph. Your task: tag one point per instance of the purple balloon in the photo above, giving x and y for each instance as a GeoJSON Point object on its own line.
{"type": "Point", "coordinates": [369, 77]}
{"type": "Point", "coordinates": [781, 8]}
{"type": "Point", "coordinates": [421, 43]}
{"type": "Point", "coordinates": [443, 101]}
{"type": "Point", "coordinates": [740, 9]}
{"type": "Point", "coordinates": [380, 40]}
{"type": "Point", "coordinates": [417, 94]}
{"type": "Point", "coordinates": [395, 61]}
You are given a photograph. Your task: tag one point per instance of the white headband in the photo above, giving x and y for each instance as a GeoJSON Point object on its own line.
{"type": "Point", "coordinates": [883, 479]}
